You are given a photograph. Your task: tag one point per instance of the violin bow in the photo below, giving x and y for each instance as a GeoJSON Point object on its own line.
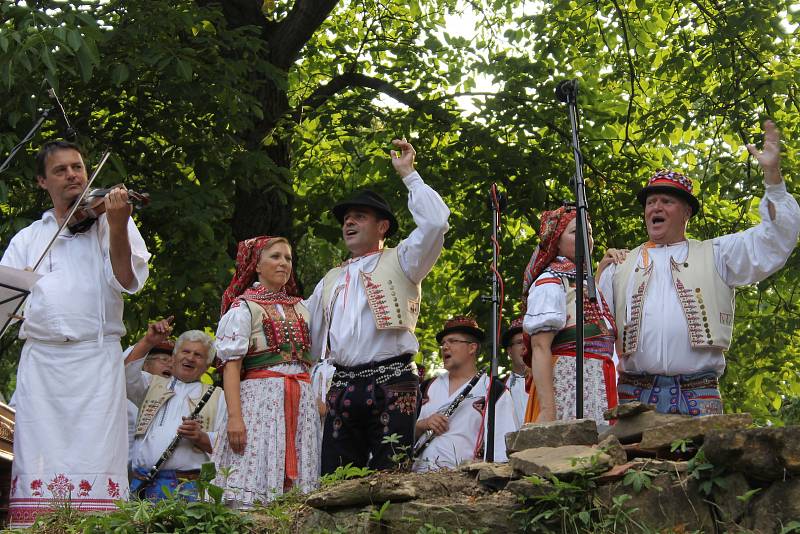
{"type": "Point", "coordinates": [74, 208]}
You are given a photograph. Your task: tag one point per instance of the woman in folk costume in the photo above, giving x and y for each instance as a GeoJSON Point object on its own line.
{"type": "Point", "coordinates": [549, 308]}
{"type": "Point", "coordinates": [272, 442]}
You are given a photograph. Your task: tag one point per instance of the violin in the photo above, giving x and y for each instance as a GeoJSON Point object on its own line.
{"type": "Point", "coordinates": [93, 205]}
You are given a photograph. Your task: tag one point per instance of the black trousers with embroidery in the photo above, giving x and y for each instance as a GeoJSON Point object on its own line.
{"type": "Point", "coordinates": [362, 414]}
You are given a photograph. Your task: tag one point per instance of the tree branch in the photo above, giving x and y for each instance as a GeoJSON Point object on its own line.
{"type": "Point", "coordinates": [344, 81]}
{"type": "Point", "coordinates": [293, 32]}
{"type": "Point", "coordinates": [239, 12]}
{"type": "Point", "coordinates": [631, 71]}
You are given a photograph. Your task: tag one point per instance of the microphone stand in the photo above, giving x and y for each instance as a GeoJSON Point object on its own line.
{"type": "Point", "coordinates": [28, 136]}
{"type": "Point", "coordinates": [567, 92]}
{"type": "Point", "coordinates": [497, 203]}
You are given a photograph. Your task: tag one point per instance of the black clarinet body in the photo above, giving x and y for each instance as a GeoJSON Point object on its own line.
{"type": "Point", "coordinates": [139, 484]}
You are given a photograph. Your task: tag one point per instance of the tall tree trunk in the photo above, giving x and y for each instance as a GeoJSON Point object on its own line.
{"type": "Point", "coordinates": [258, 212]}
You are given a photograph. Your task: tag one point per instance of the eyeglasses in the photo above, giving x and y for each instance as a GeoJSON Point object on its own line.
{"type": "Point", "coordinates": [447, 342]}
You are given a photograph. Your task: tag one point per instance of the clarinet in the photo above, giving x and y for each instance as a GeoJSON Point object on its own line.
{"type": "Point", "coordinates": [428, 436]}
{"type": "Point", "coordinates": [138, 485]}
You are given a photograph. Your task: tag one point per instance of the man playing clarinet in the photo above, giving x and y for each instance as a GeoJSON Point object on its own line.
{"type": "Point", "coordinates": [453, 405]}
{"type": "Point", "coordinates": [165, 406]}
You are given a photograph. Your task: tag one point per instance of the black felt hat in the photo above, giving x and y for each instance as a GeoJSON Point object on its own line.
{"type": "Point", "coordinates": [467, 325]}
{"type": "Point", "coordinates": [370, 199]}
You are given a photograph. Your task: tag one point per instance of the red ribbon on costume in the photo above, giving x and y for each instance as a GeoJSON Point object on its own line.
{"type": "Point", "coordinates": [291, 407]}
{"type": "Point", "coordinates": [609, 377]}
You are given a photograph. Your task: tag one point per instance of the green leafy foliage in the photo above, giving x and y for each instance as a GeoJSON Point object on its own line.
{"type": "Point", "coordinates": [172, 514]}
{"type": "Point", "coordinates": [639, 479]}
{"type": "Point", "coordinates": [344, 472]}
{"type": "Point", "coordinates": [571, 506]}
{"type": "Point", "coordinates": [707, 474]}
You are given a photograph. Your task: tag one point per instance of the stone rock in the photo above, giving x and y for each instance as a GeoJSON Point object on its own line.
{"type": "Point", "coordinates": [615, 473]}
{"type": "Point", "coordinates": [472, 467]}
{"type": "Point", "coordinates": [628, 409]}
{"type": "Point", "coordinates": [730, 509]}
{"type": "Point", "coordinates": [665, 466]}
{"type": "Point", "coordinates": [528, 489]}
{"type": "Point", "coordinates": [630, 428]}
{"type": "Point", "coordinates": [315, 520]}
{"type": "Point", "coordinates": [760, 453]}
{"type": "Point", "coordinates": [694, 428]}
{"type": "Point", "coordinates": [552, 434]}
{"type": "Point", "coordinates": [360, 492]}
{"type": "Point", "coordinates": [494, 512]}
{"type": "Point", "coordinates": [676, 506]}
{"type": "Point", "coordinates": [495, 476]}
{"type": "Point", "coordinates": [774, 508]}
{"type": "Point", "coordinates": [560, 461]}
{"type": "Point", "coordinates": [394, 487]}
{"type": "Point", "coordinates": [612, 447]}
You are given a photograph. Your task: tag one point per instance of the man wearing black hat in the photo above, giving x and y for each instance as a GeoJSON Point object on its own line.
{"type": "Point", "coordinates": [457, 434]}
{"type": "Point", "coordinates": [363, 315]}
{"type": "Point", "coordinates": [673, 298]}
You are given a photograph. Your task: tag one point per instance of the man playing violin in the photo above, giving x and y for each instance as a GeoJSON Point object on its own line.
{"type": "Point", "coordinates": [71, 436]}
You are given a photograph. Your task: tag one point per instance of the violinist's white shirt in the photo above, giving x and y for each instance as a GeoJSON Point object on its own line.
{"type": "Point", "coordinates": [78, 298]}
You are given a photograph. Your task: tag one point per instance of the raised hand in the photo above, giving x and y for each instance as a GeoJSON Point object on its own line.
{"type": "Point", "coordinates": [770, 156]}
{"type": "Point", "coordinates": [403, 160]}
{"type": "Point", "coordinates": [159, 331]}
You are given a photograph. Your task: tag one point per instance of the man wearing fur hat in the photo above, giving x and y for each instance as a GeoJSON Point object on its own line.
{"type": "Point", "coordinates": [457, 435]}
{"type": "Point", "coordinates": [673, 297]}
{"type": "Point", "coordinates": [165, 404]}
{"type": "Point", "coordinates": [363, 315]}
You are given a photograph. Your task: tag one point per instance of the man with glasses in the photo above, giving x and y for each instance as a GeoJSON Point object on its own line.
{"type": "Point", "coordinates": [456, 436]}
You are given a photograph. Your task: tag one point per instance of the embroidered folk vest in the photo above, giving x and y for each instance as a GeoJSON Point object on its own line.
{"type": "Point", "coordinates": [275, 340]}
{"type": "Point", "coordinates": [593, 319]}
{"type": "Point", "coordinates": [707, 301]}
{"type": "Point", "coordinates": [393, 298]}
{"type": "Point", "coordinates": [158, 393]}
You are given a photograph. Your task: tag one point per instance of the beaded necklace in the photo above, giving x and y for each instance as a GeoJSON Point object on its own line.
{"type": "Point", "coordinates": [264, 295]}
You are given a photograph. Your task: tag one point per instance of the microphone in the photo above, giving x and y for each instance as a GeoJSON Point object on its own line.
{"type": "Point", "coordinates": [567, 89]}
{"type": "Point", "coordinates": [69, 134]}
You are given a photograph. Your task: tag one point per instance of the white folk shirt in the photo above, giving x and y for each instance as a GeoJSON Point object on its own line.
{"type": "Point", "coordinates": [515, 392]}
{"type": "Point", "coordinates": [148, 449]}
{"type": "Point", "coordinates": [78, 297]}
{"type": "Point", "coordinates": [354, 338]}
{"type": "Point", "coordinates": [740, 259]}
{"type": "Point", "coordinates": [458, 444]}
{"type": "Point", "coordinates": [509, 415]}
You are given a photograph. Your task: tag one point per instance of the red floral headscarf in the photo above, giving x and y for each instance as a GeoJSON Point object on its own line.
{"type": "Point", "coordinates": [247, 257]}
{"type": "Point", "coordinates": [553, 225]}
